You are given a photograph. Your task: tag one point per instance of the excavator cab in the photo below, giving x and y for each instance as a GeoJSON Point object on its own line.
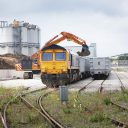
{"type": "Point", "coordinates": [85, 51]}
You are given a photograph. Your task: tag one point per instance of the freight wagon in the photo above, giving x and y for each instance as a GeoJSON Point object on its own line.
{"type": "Point", "coordinates": [100, 67]}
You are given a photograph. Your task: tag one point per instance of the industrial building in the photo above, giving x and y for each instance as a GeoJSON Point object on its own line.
{"type": "Point", "coordinates": [92, 49]}
{"type": "Point", "coordinates": [19, 37]}
{"type": "Point", "coordinates": [120, 60]}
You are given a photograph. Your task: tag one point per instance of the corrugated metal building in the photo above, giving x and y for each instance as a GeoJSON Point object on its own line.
{"type": "Point", "coordinates": [19, 38]}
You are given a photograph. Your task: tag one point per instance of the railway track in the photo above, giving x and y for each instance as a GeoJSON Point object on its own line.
{"type": "Point", "coordinates": [4, 112]}
{"type": "Point", "coordinates": [101, 86]}
{"type": "Point", "coordinates": [114, 121]}
{"type": "Point", "coordinates": [54, 123]}
{"type": "Point", "coordinates": [3, 121]}
{"type": "Point", "coordinates": [84, 87]}
{"type": "Point", "coordinates": [119, 106]}
{"type": "Point", "coordinates": [117, 122]}
{"type": "Point", "coordinates": [121, 83]}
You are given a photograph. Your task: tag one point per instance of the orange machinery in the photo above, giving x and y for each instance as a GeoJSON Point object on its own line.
{"type": "Point", "coordinates": [35, 67]}
{"type": "Point", "coordinates": [55, 40]}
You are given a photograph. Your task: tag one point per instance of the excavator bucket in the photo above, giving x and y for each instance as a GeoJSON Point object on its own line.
{"type": "Point", "coordinates": [85, 51]}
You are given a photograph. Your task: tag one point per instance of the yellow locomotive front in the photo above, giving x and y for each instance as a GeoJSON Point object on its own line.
{"type": "Point", "coordinates": [54, 62]}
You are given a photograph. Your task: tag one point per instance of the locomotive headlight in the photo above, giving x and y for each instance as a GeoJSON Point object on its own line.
{"type": "Point", "coordinates": [64, 69]}
{"type": "Point", "coordinates": [43, 70]}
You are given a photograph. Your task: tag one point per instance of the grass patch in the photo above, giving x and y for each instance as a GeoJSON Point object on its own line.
{"type": "Point", "coordinates": [97, 117]}
{"type": "Point", "coordinates": [86, 110]}
{"type": "Point", "coordinates": [107, 101]}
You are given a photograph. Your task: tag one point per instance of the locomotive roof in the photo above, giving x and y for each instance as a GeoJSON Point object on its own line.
{"type": "Point", "coordinates": [54, 46]}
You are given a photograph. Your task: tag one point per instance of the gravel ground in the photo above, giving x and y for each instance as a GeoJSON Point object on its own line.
{"type": "Point", "coordinates": [111, 84]}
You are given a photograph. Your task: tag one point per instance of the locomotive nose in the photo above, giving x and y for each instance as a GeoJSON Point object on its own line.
{"type": "Point", "coordinates": [85, 51]}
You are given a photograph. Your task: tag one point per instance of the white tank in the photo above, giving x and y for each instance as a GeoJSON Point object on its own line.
{"type": "Point", "coordinates": [19, 37]}
{"type": "Point", "coordinates": [24, 35]}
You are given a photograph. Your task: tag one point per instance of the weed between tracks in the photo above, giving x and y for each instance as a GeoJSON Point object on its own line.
{"type": "Point", "coordinates": [18, 114]}
{"type": "Point", "coordinates": [88, 110]}
{"type": "Point", "coordinates": [23, 117]}
{"type": "Point", "coordinates": [5, 95]}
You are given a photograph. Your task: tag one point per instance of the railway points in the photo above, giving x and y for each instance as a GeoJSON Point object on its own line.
{"type": "Point", "coordinates": [88, 86]}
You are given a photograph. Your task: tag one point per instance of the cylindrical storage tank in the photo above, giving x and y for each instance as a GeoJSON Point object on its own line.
{"type": "Point", "coordinates": [9, 40]}
{"type": "Point", "coordinates": [30, 50]}
{"type": "Point", "coordinates": [19, 37]}
{"type": "Point", "coordinates": [24, 40]}
{"type": "Point", "coordinates": [31, 35]}
{"type": "Point", "coordinates": [24, 49]}
{"type": "Point", "coordinates": [33, 38]}
{"type": "Point", "coordinates": [6, 35]}
{"type": "Point", "coordinates": [24, 35]}
{"type": "Point", "coordinates": [3, 49]}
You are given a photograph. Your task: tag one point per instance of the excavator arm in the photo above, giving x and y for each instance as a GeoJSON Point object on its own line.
{"type": "Point", "coordinates": [65, 35]}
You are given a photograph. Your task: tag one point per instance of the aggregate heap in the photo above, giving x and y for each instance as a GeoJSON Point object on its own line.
{"type": "Point", "coordinates": [8, 61]}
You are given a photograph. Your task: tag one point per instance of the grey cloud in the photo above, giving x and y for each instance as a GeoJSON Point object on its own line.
{"type": "Point", "coordinates": [108, 7]}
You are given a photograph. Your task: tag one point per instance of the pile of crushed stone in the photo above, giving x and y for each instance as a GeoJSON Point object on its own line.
{"type": "Point", "coordinates": [8, 61]}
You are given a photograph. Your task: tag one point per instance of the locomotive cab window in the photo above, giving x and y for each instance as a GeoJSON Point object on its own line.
{"type": "Point", "coordinates": [47, 56]}
{"type": "Point", "coordinates": [60, 56]}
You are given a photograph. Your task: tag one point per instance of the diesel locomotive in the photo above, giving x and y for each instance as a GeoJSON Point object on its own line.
{"type": "Point", "coordinates": [60, 66]}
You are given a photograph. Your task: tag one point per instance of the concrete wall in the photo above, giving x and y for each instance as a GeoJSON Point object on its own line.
{"type": "Point", "coordinates": [5, 74]}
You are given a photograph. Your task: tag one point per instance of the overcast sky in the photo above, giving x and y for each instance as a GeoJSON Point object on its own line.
{"type": "Point", "coordinates": [104, 22]}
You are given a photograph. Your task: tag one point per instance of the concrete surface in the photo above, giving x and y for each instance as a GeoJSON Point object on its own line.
{"type": "Point", "coordinates": [6, 74]}
{"type": "Point", "coordinates": [111, 84]}
{"type": "Point", "coordinates": [32, 84]}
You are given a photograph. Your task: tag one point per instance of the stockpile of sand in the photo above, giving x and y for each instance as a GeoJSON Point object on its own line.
{"type": "Point", "coordinates": [8, 61]}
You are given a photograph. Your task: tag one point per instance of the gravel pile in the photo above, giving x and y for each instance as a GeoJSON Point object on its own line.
{"type": "Point", "coordinates": [8, 61]}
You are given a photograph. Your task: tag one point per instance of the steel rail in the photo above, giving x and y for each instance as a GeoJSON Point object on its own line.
{"type": "Point", "coordinates": [101, 87]}
{"type": "Point", "coordinates": [119, 106]}
{"type": "Point", "coordinates": [83, 88]}
{"type": "Point", "coordinates": [118, 123]}
{"type": "Point", "coordinates": [23, 93]}
{"type": "Point", "coordinates": [122, 85]}
{"type": "Point", "coordinates": [55, 123]}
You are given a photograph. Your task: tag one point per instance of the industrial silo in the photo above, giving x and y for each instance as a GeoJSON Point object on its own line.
{"type": "Point", "coordinates": [19, 38]}
{"type": "Point", "coordinates": [30, 39]}
{"type": "Point", "coordinates": [9, 38]}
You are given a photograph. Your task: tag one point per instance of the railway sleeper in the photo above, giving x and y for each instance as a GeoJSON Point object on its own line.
{"type": "Point", "coordinates": [120, 106]}
{"type": "Point", "coordinates": [119, 123]}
